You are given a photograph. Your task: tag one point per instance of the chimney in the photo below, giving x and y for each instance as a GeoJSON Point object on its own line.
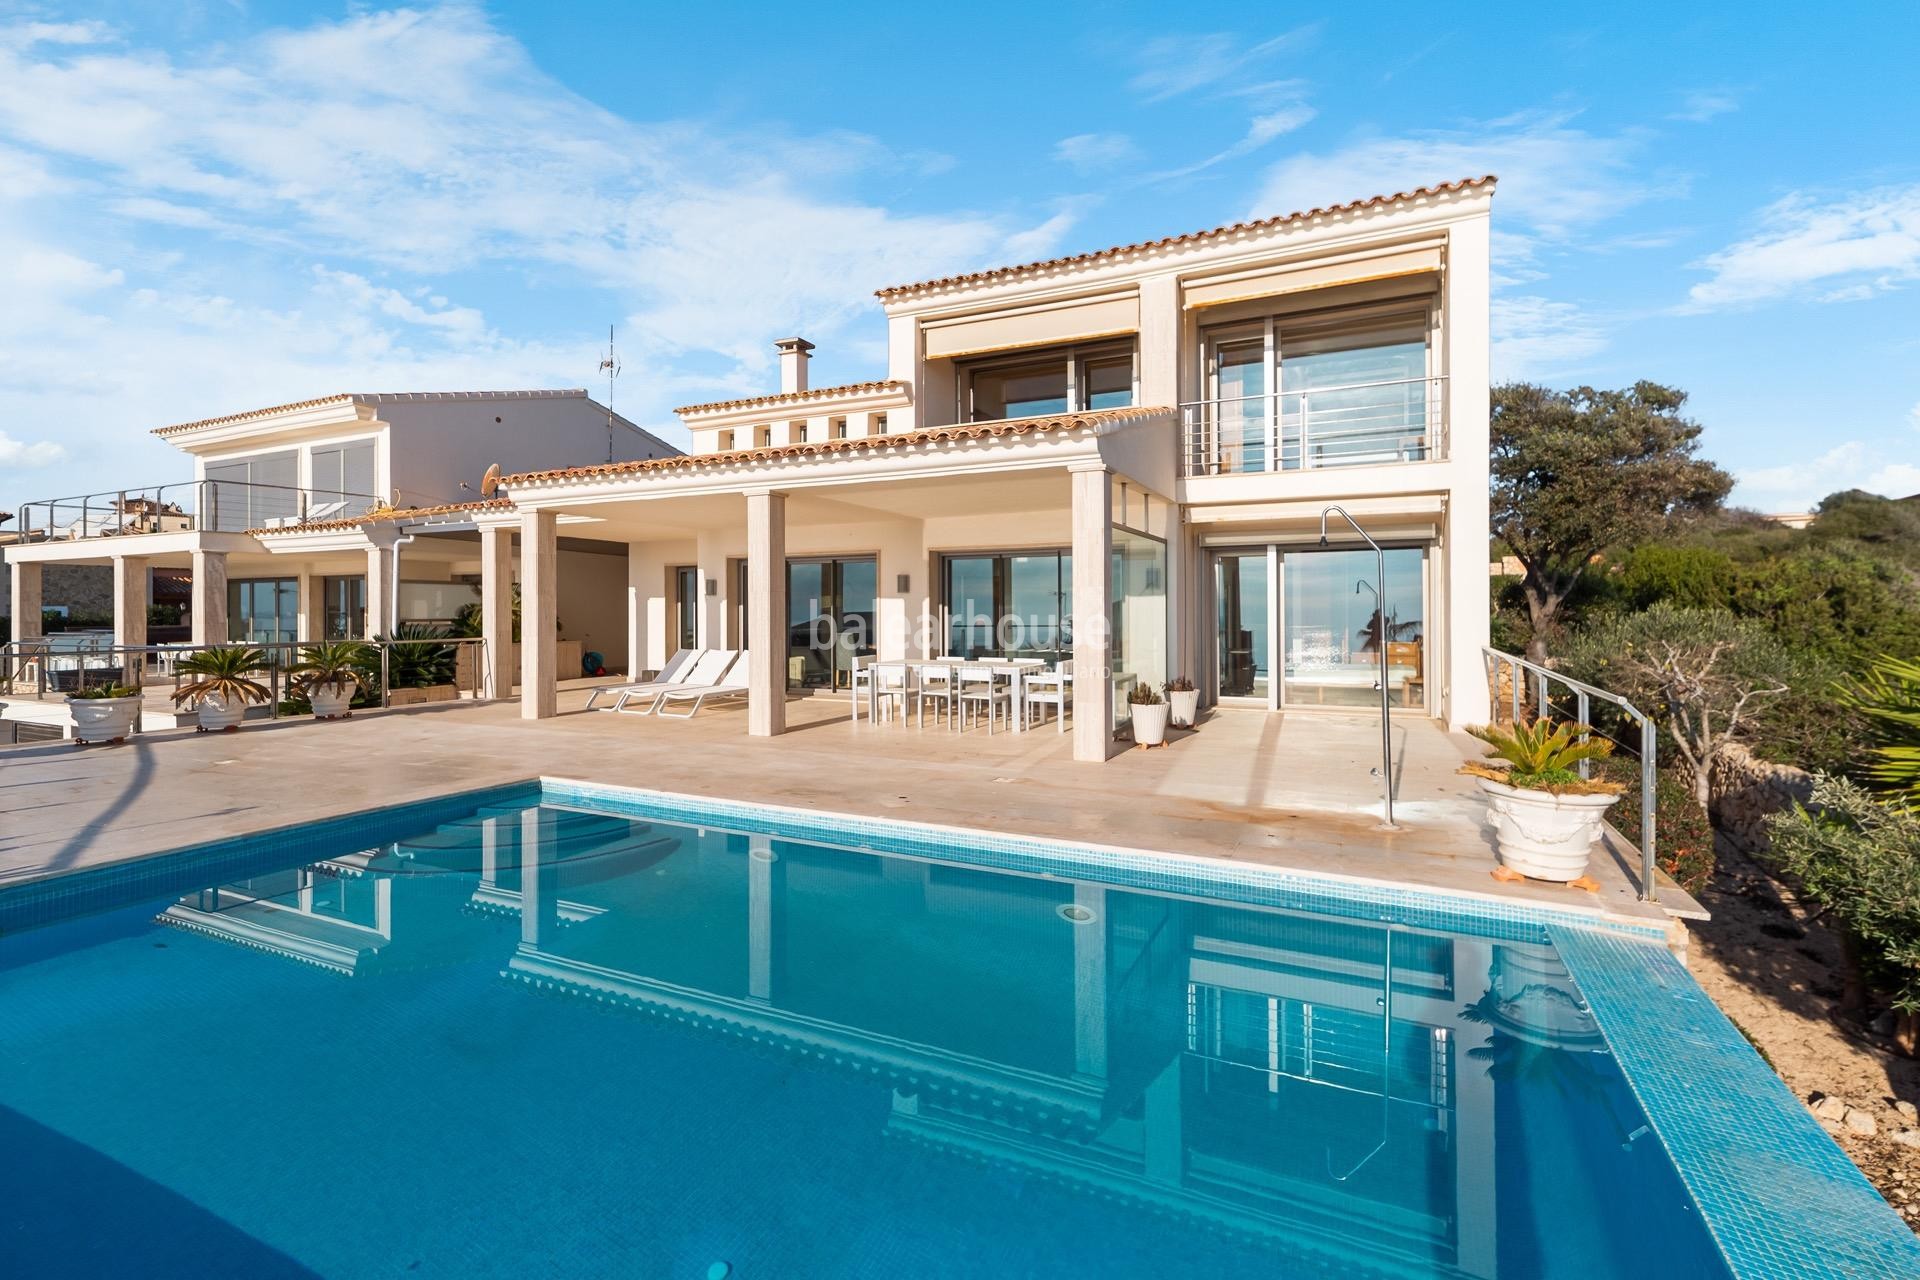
{"type": "Point", "coordinates": [793, 364]}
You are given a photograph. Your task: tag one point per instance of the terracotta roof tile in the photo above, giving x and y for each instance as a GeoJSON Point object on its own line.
{"type": "Point", "coordinates": [794, 397]}
{"type": "Point", "coordinates": [384, 514]}
{"type": "Point", "coordinates": [1168, 242]}
{"type": "Point", "coordinates": [890, 441]}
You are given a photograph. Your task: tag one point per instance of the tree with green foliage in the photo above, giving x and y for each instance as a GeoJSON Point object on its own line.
{"type": "Point", "coordinates": [1576, 472]}
{"type": "Point", "coordinates": [1703, 675]}
{"type": "Point", "coordinates": [1860, 860]}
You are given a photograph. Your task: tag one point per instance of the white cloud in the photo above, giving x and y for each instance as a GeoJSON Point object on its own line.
{"type": "Point", "coordinates": [1179, 64]}
{"type": "Point", "coordinates": [1092, 152]}
{"type": "Point", "coordinates": [1838, 250]}
{"type": "Point", "coordinates": [1261, 130]}
{"type": "Point", "coordinates": [1702, 105]}
{"type": "Point", "coordinates": [1855, 464]}
{"type": "Point", "coordinates": [29, 453]}
{"type": "Point", "coordinates": [1555, 179]}
{"type": "Point", "coordinates": [1536, 338]}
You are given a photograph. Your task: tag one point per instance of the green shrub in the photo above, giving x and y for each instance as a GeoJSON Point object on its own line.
{"type": "Point", "coordinates": [1887, 702]}
{"type": "Point", "coordinates": [1683, 844]}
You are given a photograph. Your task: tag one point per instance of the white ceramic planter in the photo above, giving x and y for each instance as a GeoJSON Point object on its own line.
{"type": "Point", "coordinates": [1186, 706]}
{"type": "Point", "coordinates": [1150, 723]}
{"type": "Point", "coordinates": [1541, 835]}
{"type": "Point", "coordinates": [103, 719]}
{"type": "Point", "coordinates": [214, 713]}
{"type": "Point", "coordinates": [330, 701]}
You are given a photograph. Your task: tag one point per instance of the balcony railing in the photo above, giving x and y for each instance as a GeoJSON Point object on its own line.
{"type": "Point", "coordinates": [220, 506]}
{"type": "Point", "coordinates": [1346, 426]}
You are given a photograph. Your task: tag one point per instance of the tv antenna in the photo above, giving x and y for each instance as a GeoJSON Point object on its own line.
{"type": "Point", "coordinates": [611, 367]}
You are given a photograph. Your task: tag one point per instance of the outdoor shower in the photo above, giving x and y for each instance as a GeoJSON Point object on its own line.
{"type": "Point", "coordinates": [1380, 647]}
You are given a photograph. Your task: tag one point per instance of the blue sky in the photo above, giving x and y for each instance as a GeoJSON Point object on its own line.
{"type": "Point", "coordinates": [208, 207]}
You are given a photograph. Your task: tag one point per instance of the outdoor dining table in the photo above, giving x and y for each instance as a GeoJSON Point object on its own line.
{"type": "Point", "coordinates": [1009, 669]}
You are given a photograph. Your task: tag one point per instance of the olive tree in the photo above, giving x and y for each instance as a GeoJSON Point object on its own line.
{"type": "Point", "coordinates": [1705, 675]}
{"type": "Point", "coordinates": [1576, 472]}
{"type": "Point", "coordinates": [1860, 861]}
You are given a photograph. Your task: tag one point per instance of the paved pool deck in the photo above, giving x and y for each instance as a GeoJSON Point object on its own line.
{"type": "Point", "coordinates": [1296, 791]}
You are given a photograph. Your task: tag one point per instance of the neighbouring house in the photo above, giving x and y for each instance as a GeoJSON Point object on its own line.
{"type": "Point", "coordinates": [326, 518]}
{"type": "Point", "coordinates": [1121, 461]}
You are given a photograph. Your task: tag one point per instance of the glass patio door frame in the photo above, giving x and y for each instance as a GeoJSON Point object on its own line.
{"type": "Point", "coordinates": [1275, 697]}
{"type": "Point", "coordinates": [1271, 699]}
{"type": "Point", "coordinates": [832, 604]}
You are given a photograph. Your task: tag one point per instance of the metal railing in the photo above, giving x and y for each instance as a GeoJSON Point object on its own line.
{"type": "Point", "coordinates": [1507, 675]}
{"type": "Point", "coordinates": [42, 668]}
{"type": "Point", "coordinates": [219, 506]}
{"type": "Point", "coordinates": [1403, 420]}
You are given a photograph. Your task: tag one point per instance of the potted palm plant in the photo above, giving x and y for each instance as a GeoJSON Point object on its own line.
{"type": "Point", "coordinates": [104, 713]}
{"type": "Point", "coordinates": [1183, 699]}
{"type": "Point", "coordinates": [1149, 715]}
{"type": "Point", "coordinates": [328, 674]}
{"type": "Point", "coordinates": [221, 688]}
{"type": "Point", "coordinates": [1546, 816]}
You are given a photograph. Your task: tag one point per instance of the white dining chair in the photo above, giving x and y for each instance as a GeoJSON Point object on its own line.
{"type": "Point", "coordinates": [981, 688]}
{"type": "Point", "coordinates": [860, 682]}
{"type": "Point", "coordinates": [893, 682]}
{"type": "Point", "coordinates": [938, 686]}
{"type": "Point", "coordinates": [1041, 689]}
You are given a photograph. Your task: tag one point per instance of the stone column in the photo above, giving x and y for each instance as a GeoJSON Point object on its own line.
{"type": "Point", "coordinates": [1092, 627]}
{"type": "Point", "coordinates": [767, 613]}
{"type": "Point", "coordinates": [496, 611]}
{"type": "Point", "coordinates": [209, 597]}
{"type": "Point", "coordinates": [310, 627]}
{"type": "Point", "coordinates": [130, 603]}
{"type": "Point", "coordinates": [1458, 667]}
{"type": "Point", "coordinates": [539, 607]}
{"type": "Point", "coordinates": [28, 599]}
{"type": "Point", "coordinates": [380, 570]}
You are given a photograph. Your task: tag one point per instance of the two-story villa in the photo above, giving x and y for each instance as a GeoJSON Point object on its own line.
{"type": "Point", "coordinates": [1119, 460]}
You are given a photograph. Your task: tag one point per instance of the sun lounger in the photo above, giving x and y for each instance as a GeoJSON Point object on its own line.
{"type": "Point", "coordinates": [641, 701]}
{"type": "Point", "coordinates": [676, 668]}
{"type": "Point", "coordinates": [731, 685]}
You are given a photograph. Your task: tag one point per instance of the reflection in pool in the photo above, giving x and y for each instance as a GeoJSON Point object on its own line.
{"type": "Point", "coordinates": [538, 1040]}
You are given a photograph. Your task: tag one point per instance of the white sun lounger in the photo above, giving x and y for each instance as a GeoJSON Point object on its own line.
{"type": "Point", "coordinates": [645, 699]}
{"type": "Point", "coordinates": [731, 685]}
{"type": "Point", "coordinates": [677, 667]}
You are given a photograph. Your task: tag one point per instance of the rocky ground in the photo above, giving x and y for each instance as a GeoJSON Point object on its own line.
{"type": "Point", "coordinates": [1775, 969]}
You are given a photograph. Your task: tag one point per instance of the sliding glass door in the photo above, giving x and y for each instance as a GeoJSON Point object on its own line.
{"type": "Point", "coordinates": [1243, 612]}
{"type": "Point", "coordinates": [1017, 605]}
{"type": "Point", "coordinates": [830, 620]}
{"type": "Point", "coordinates": [1322, 620]}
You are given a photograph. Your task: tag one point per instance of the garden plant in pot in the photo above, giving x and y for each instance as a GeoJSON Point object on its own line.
{"type": "Point", "coordinates": [327, 675]}
{"type": "Point", "coordinates": [221, 688]}
{"type": "Point", "coordinates": [1546, 816]}
{"type": "Point", "coordinates": [1184, 701]}
{"type": "Point", "coordinates": [1149, 715]}
{"type": "Point", "coordinates": [104, 713]}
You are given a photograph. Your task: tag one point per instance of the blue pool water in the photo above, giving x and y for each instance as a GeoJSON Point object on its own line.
{"type": "Point", "coordinates": [540, 1040]}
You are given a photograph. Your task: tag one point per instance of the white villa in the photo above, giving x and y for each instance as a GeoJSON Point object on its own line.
{"type": "Point", "coordinates": [1121, 461]}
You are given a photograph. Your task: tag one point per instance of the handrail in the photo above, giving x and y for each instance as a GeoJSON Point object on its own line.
{"type": "Point", "coordinates": [187, 505]}
{"type": "Point", "coordinates": [93, 664]}
{"type": "Point", "coordinates": [1584, 694]}
{"type": "Point", "coordinates": [1313, 427]}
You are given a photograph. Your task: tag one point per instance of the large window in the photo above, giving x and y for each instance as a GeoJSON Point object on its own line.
{"type": "Point", "coordinates": [1287, 392]}
{"type": "Point", "coordinates": [343, 606]}
{"type": "Point", "coordinates": [1055, 380]}
{"type": "Point", "coordinates": [342, 480]}
{"type": "Point", "coordinates": [1015, 605]}
{"type": "Point", "coordinates": [263, 610]}
{"type": "Point", "coordinates": [1138, 613]}
{"type": "Point", "coordinates": [830, 620]}
{"type": "Point", "coordinates": [1336, 622]}
{"type": "Point", "coordinates": [248, 492]}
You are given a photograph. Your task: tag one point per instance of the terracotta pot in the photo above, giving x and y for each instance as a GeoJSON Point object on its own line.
{"type": "Point", "coordinates": [1186, 706]}
{"type": "Point", "coordinates": [103, 719]}
{"type": "Point", "coordinates": [1150, 723]}
{"type": "Point", "coordinates": [1541, 835]}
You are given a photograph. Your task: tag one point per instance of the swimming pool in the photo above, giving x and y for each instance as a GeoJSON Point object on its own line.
{"type": "Point", "coordinates": [564, 1030]}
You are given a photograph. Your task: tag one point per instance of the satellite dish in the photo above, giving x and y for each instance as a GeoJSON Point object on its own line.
{"type": "Point", "coordinates": [490, 482]}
